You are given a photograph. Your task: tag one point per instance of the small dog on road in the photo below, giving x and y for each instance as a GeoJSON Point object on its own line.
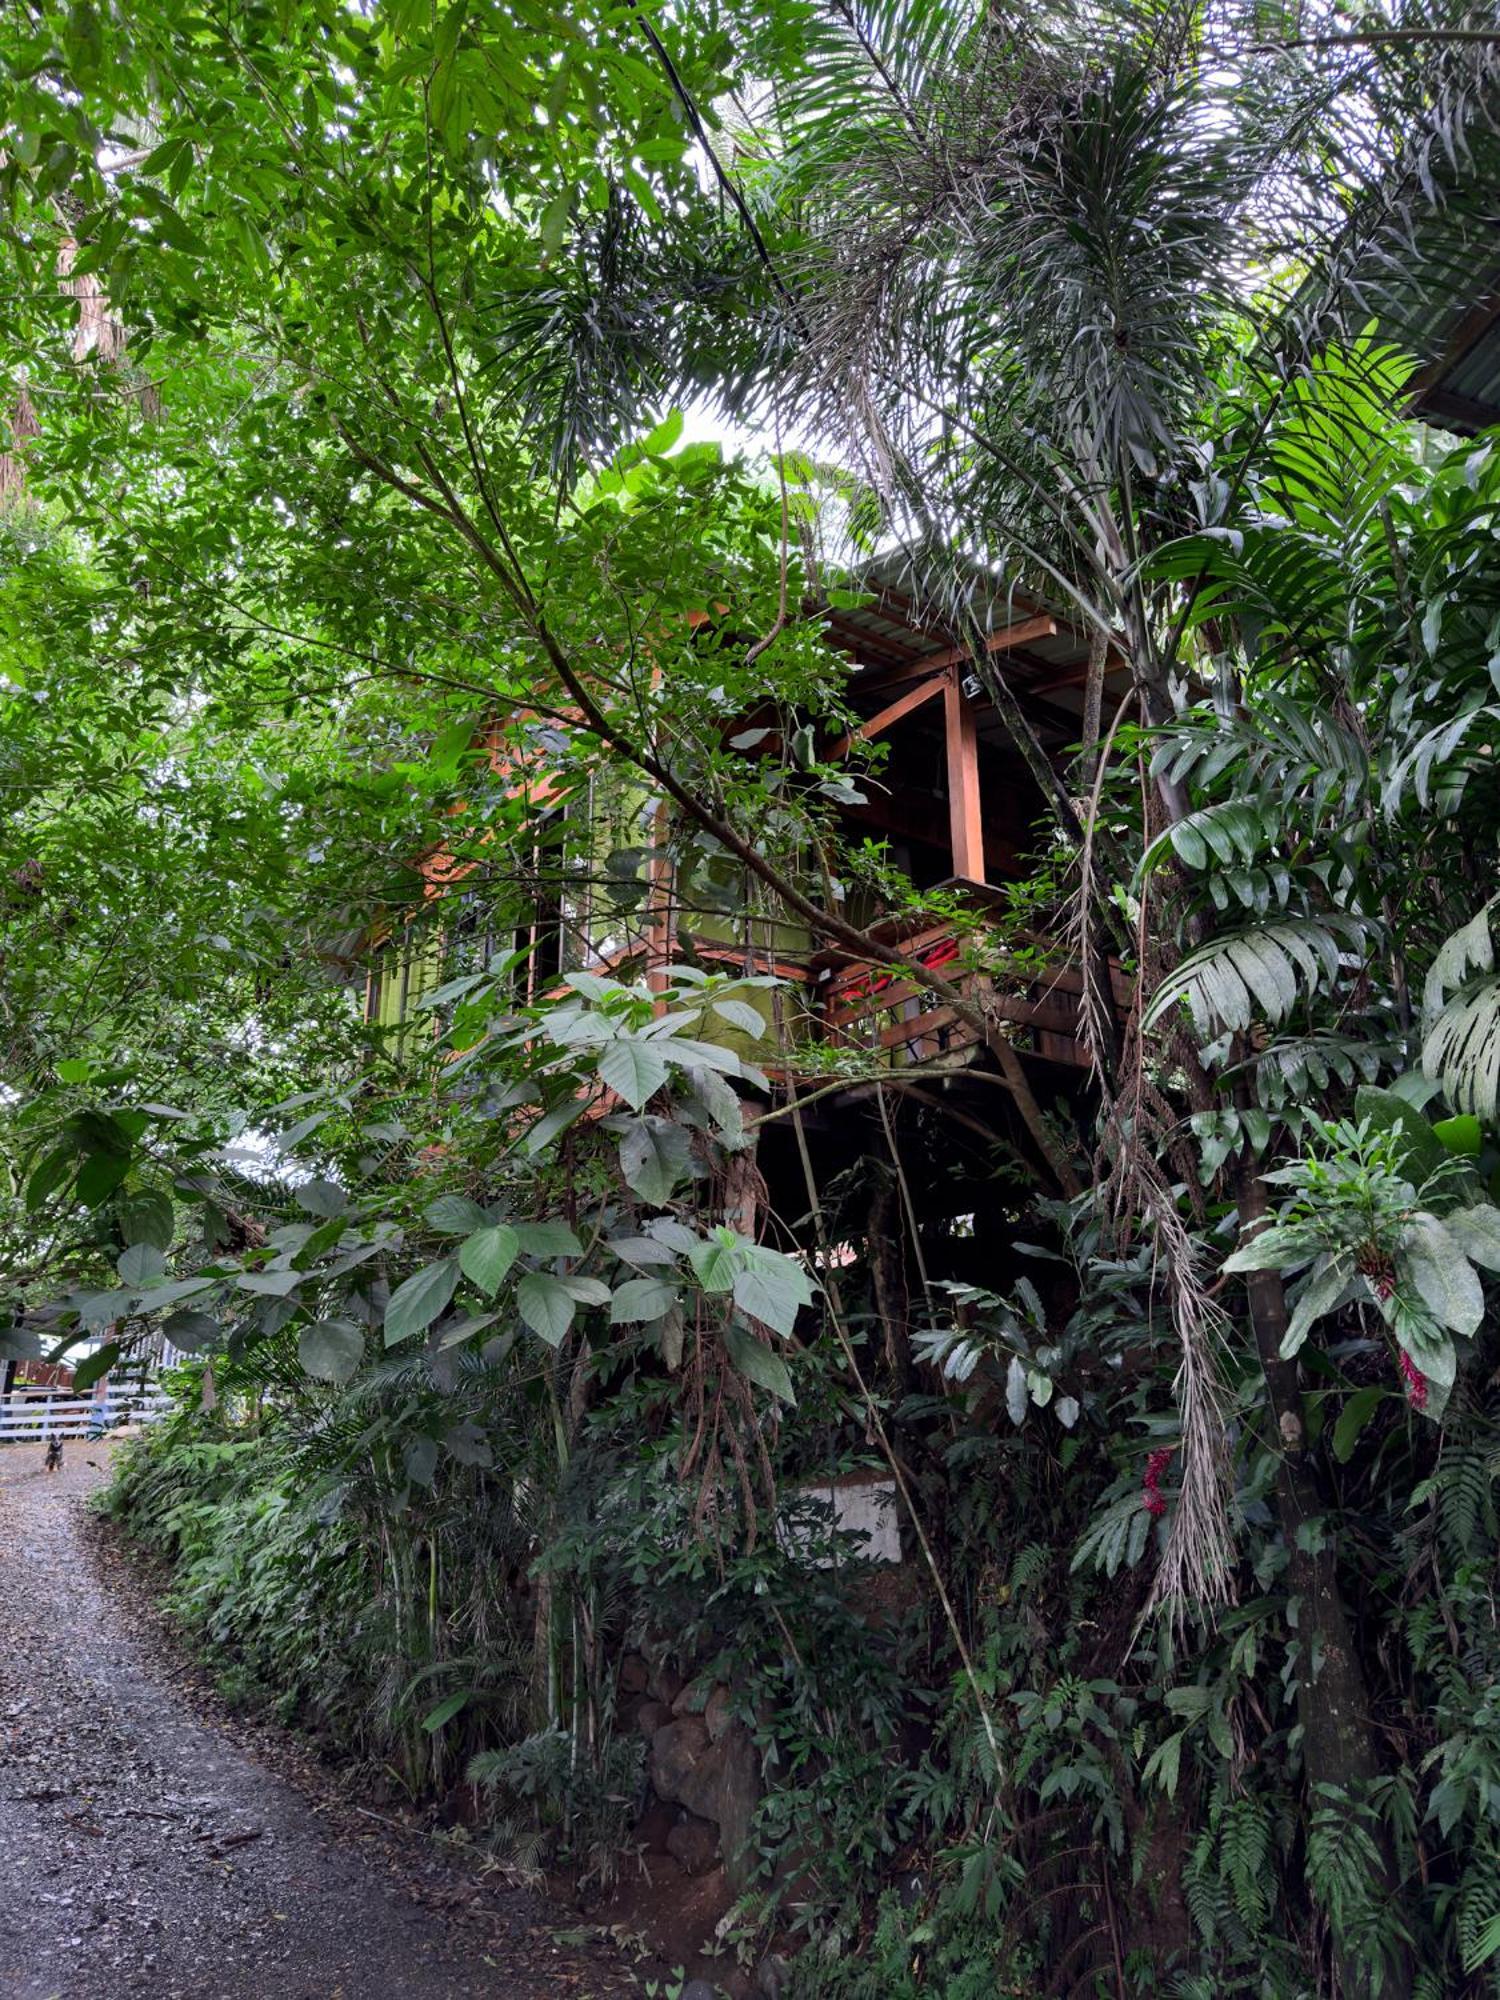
{"type": "Point", "coordinates": [54, 1454]}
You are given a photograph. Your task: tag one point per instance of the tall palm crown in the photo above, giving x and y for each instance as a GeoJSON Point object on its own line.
{"type": "Point", "coordinates": [1015, 259]}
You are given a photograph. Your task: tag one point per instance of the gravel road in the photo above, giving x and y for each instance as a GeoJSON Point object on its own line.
{"type": "Point", "coordinates": [151, 1845]}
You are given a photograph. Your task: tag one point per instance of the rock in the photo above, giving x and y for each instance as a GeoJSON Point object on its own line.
{"type": "Point", "coordinates": [651, 1717]}
{"type": "Point", "coordinates": [738, 1797]}
{"type": "Point", "coordinates": [634, 1674]}
{"type": "Point", "coordinates": [699, 1989]}
{"type": "Point", "coordinates": [694, 1845]}
{"type": "Point", "coordinates": [773, 1977]}
{"type": "Point", "coordinates": [675, 1750]}
{"type": "Point", "coordinates": [716, 1715]}
{"type": "Point", "coordinates": [693, 1698]}
{"type": "Point", "coordinates": [700, 1783]}
{"type": "Point", "coordinates": [665, 1684]}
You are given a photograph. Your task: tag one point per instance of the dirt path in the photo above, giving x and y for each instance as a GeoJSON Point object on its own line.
{"type": "Point", "coordinates": [148, 1847]}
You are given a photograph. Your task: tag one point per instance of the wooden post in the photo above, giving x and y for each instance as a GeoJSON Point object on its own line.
{"type": "Point", "coordinates": [659, 905]}
{"type": "Point", "coordinates": [965, 820]}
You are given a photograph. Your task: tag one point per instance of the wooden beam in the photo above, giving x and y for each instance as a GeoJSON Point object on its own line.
{"type": "Point", "coordinates": [965, 819]}
{"type": "Point", "coordinates": [659, 874]}
{"type": "Point", "coordinates": [1454, 412]}
{"type": "Point", "coordinates": [1425, 392]}
{"type": "Point", "coordinates": [1000, 642]}
{"type": "Point", "coordinates": [1114, 662]}
{"type": "Point", "coordinates": [909, 670]}
{"type": "Point", "coordinates": [868, 731]}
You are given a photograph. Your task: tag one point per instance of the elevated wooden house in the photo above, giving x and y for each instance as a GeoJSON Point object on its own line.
{"type": "Point", "coordinates": [956, 811]}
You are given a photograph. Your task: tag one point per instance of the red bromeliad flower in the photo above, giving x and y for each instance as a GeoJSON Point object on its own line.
{"type": "Point", "coordinates": [1156, 1465]}
{"type": "Point", "coordinates": [1415, 1380]}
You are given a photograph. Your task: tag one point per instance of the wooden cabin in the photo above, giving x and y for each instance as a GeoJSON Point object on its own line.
{"type": "Point", "coordinates": [956, 810]}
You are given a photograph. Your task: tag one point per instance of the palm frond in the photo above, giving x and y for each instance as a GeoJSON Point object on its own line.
{"type": "Point", "coordinates": [1263, 970]}
{"type": "Point", "coordinates": [1461, 1051]}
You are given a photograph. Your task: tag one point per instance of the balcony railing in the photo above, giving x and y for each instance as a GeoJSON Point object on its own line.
{"type": "Point", "coordinates": [881, 1010]}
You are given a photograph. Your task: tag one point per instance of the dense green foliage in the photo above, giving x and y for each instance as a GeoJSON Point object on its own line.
{"type": "Point", "coordinates": [362, 605]}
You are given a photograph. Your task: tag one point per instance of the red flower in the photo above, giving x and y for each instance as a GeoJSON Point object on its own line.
{"type": "Point", "coordinates": [1378, 1268]}
{"type": "Point", "coordinates": [1415, 1380]}
{"type": "Point", "coordinates": [1156, 1465]}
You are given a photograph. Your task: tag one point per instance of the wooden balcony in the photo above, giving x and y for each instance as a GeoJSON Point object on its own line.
{"type": "Point", "coordinates": [879, 1010]}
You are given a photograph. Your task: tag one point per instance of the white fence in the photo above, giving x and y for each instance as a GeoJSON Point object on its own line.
{"type": "Point", "coordinates": [29, 1418]}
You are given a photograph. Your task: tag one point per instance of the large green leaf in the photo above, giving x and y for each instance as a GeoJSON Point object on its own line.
{"type": "Point", "coordinates": [549, 1238]}
{"type": "Point", "coordinates": [722, 1106]}
{"type": "Point", "coordinates": [146, 1217]}
{"type": "Point", "coordinates": [487, 1255]}
{"type": "Point", "coordinates": [587, 1291]}
{"type": "Point", "coordinates": [640, 1251]}
{"type": "Point", "coordinates": [641, 1299]}
{"type": "Point", "coordinates": [331, 1349]}
{"type": "Point", "coordinates": [634, 1069]}
{"type": "Point", "coordinates": [1356, 1413]}
{"type": "Point", "coordinates": [772, 1288]}
{"type": "Point", "coordinates": [546, 1305]}
{"type": "Point", "coordinates": [1275, 1247]}
{"type": "Point", "coordinates": [717, 1260]}
{"type": "Point", "coordinates": [421, 1461]}
{"type": "Point", "coordinates": [1322, 1291]}
{"type": "Point", "coordinates": [453, 1704]}
{"type": "Point", "coordinates": [1446, 1281]}
{"type": "Point", "coordinates": [740, 1014]}
{"type": "Point", "coordinates": [1461, 1136]}
{"type": "Point", "coordinates": [139, 1263]}
{"type": "Point", "coordinates": [759, 1363]}
{"type": "Point", "coordinates": [416, 1304]}
{"type": "Point", "coordinates": [1421, 1151]}
{"type": "Point", "coordinates": [190, 1332]}
{"type": "Point", "coordinates": [270, 1284]}
{"type": "Point", "coordinates": [552, 1124]}
{"type": "Point", "coordinates": [322, 1198]}
{"type": "Point", "coordinates": [455, 1215]}
{"type": "Point", "coordinates": [99, 1176]}
{"type": "Point", "coordinates": [1477, 1230]}
{"type": "Point", "coordinates": [1262, 971]}
{"type": "Point", "coordinates": [49, 1174]}
{"type": "Point", "coordinates": [654, 1156]}
{"type": "Point", "coordinates": [94, 1367]}
{"type": "Point", "coordinates": [1461, 1050]}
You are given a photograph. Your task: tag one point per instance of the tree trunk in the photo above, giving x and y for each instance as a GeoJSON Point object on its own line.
{"type": "Point", "coordinates": [1338, 1747]}
{"type": "Point", "coordinates": [887, 1252]}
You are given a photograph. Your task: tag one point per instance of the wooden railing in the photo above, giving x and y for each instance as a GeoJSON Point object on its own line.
{"type": "Point", "coordinates": [882, 1010]}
